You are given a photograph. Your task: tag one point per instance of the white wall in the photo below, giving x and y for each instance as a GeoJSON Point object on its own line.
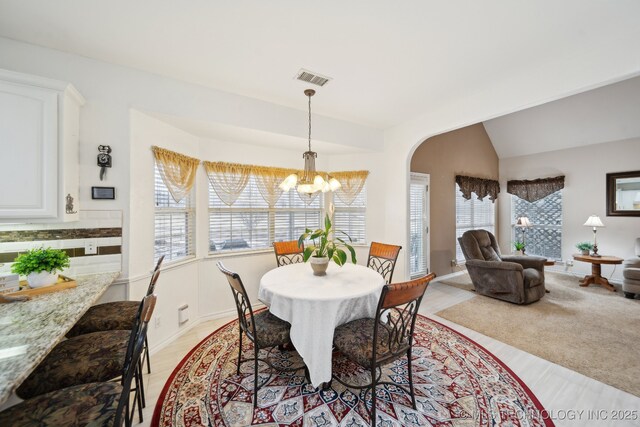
{"type": "Point", "coordinates": [584, 194]}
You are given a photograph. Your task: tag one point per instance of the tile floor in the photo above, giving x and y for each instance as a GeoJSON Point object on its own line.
{"type": "Point", "coordinates": [571, 399]}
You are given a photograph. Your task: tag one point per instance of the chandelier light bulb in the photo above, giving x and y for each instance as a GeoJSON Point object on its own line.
{"type": "Point", "coordinates": [289, 182]}
{"type": "Point", "coordinates": [334, 184]}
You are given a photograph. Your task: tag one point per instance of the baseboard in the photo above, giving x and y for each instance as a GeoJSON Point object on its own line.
{"type": "Point", "coordinates": [211, 316]}
{"type": "Point", "coordinates": [450, 275]}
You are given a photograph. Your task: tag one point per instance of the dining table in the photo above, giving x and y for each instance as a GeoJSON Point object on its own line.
{"type": "Point", "coordinates": [30, 329]}
{"type": "Point", "coordinates": [316, 305]}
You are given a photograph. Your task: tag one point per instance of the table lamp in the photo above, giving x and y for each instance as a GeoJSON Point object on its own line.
{"type": "Point", "coordinates": [524, 223]}
{"type": "Point", "coordinates": [594, 221]}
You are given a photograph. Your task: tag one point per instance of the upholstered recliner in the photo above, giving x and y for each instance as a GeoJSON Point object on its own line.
{"type": "Point", "coordinates": [517, 279]}
{"type": "Point", "coordinates": [631, 274]}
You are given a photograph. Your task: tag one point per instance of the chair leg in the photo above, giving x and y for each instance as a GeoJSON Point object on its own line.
{"type": "Point", "coordinates": [146, 352]}
{"type": "Point", "coordinates": [140, 366]}
{"type": "Point", "coordinates": [138, 395]}
{"type": "Point", "coordinates": [255, 376]}
{"type": "Point", "coordinates": [373, 397]}
{"type": "Point", "coordinates": [239, 353]}
{"type": "Point", "coordinates": [413, 396]}
{"type": "Point", "coordinates": [127, 415]}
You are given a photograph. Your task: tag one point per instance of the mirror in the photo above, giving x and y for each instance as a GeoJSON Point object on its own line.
{"type": "Point", "coordinates": [623, 194]}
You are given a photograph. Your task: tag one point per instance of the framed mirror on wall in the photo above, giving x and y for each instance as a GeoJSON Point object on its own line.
{"type": "Point", "coordinates": [623, 194]}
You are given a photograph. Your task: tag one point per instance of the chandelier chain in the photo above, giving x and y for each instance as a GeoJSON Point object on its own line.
{"type": "Point", "coordinates": [309, 96]}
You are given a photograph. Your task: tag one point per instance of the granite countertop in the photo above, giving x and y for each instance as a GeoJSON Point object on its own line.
{"type": "Point", "coordinates": [30, 329]}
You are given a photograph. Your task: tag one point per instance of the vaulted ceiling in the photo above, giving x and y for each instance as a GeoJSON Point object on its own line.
{"type": "Point", "coordinates": [389, 61]}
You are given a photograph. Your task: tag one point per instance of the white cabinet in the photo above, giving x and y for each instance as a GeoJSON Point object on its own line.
{"type": "Point", "coordinates": [39, 127]}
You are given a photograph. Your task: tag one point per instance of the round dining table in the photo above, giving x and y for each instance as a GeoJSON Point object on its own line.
{"type": "Point", "coordinates": [316, 305]}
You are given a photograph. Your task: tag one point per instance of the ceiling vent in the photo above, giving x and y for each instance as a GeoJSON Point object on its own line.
{"type": "Point", "coordinates": [311, 77]}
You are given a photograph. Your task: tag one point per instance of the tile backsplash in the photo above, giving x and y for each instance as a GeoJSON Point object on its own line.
{"type": "Point", "coordinates": [102, 228]}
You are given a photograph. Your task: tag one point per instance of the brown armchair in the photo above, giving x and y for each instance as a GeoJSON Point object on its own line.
{"type": "Point", "coordinates": [517, 279]}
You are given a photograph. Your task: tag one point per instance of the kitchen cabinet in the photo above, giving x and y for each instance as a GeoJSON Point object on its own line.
{"type": "Point", "coordinates": [39, 131]}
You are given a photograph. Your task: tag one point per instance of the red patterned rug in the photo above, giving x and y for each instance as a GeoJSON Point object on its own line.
{"type": "Point", "coordinates": [457, 383]}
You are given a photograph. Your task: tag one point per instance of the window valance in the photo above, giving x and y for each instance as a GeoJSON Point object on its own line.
{"type": "Point", "coordinates": [534, 190]}
{"type": "Point", "coordinates": [229, 179]}
{"type": "Point", "coordinates": [482, 187]}
{"type": "Point", "coordinates": [178, 172]}
{"type": "Point", "coordinates": [352, 183]}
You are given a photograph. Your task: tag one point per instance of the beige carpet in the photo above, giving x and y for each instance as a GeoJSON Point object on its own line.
{"type": "Point", "coordinates": [589, 330]}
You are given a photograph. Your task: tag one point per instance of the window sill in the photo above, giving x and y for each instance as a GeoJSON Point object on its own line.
{"type": "Point", "coordinates": [178, 263]}
{"type": "Point", "coordinates": [230, 254]}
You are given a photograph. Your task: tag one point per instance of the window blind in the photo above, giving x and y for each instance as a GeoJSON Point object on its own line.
{"type": "Point", "coordinates": [417, 225]}
{"type": "Point", "coordinates": [470, 215]}
{"type": "Point", "coordinates": [250, 224]}
{"type": "Point", "coordinates": [544, 237]}
{"type": "Point", "coordinates": [352, 218]}
{"type": "Point", "coordinates": [174, 224]}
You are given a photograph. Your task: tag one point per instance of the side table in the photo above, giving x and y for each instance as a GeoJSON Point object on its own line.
{"type": "Point", "coordinates": [596, 269]}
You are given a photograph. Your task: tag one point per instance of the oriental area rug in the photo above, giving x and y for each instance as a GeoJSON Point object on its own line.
{"type": "Point", "coordinates": [589, 330]}
{"type": "Point", "coordinates": [457, 383]}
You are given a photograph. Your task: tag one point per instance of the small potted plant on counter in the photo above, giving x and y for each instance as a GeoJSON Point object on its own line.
{"type": "Point", "coordinates": [325, 247]}
{"type": "Point", "coordinates": [519, 246]}
{"type": "Point", "coordinates": [41, 266]}
{"type": "Point", "coordinates": [584, 247]}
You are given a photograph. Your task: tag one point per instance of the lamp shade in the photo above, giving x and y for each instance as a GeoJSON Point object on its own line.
{"type": "Point", "coordinates": [594, 221]}
{"type": "Point", "coordinates": [523, 221]}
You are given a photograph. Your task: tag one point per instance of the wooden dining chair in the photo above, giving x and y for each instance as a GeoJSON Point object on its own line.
{"type": "Point", "coordinates": [288, 252]}
{"type": "Point", "coordinates": [382, 258]}
{"type": "Point", "coordinates": [263, 329]}
{"type": "Point", "coordinates": [98, 403]}
{"type": "Point", "coordinates": [372, 343]}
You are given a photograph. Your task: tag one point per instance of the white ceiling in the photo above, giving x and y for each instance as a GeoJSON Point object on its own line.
{"type": "Point", "coordinates": [390, 61]}
{"type": "Point", "coordinates": [609, 113]}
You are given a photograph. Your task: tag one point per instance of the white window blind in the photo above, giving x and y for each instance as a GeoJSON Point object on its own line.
{"type": "Point", "coordinates": [472, 214]}
{"type": "Point", "coordinates": [250, 224]}
{"type": "Point", "coordinates": [418, 226]}
{"type": "Point", "coordinates": [352, 218]}
{"type": "Point", "coordinates": [544, 237]}
{"type": "Point", "coordinates": [174, 224]}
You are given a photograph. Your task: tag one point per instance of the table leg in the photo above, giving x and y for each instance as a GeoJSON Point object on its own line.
{"type": "Point", "coordinates": [596, 278]}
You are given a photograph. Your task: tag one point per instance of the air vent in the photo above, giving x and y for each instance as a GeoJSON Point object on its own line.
{"type": "Point", "coordinates": [313, 78]}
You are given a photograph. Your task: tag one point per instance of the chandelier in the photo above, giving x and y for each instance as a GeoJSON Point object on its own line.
{"type": "Point", "coordinates": [311, 181]}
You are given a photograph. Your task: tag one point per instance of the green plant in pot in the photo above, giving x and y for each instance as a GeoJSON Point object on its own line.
{"type": "Point", "coordinates": [584, 247]}
{"type": "Point", "coordinates": [519, 246]}
{"type": "Point", "coordinates": [325, 247]}
{"type": "Point", "coordinates": [41, 266]}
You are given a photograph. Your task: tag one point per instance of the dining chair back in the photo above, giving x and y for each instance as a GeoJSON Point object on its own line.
{"type": "Point", "coordinates": [243, 305]}
{"type": "Point", "coordinates": [288, 252]}
{"type": "Point", "coordinates": [389, 336]}
{"type": "Point", "coordinates": [132, 357]}
{"type": "Point", "coordinates": [382, 258]}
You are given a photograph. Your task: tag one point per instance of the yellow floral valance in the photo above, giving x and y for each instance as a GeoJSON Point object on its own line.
{"type": "Point", "coordinates": [230, 179]}
{"type": "Point", "coordinates": [178, 172]}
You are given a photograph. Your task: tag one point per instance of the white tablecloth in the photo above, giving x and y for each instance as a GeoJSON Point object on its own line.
{"type": "Point", "coordinates": [316, 305]}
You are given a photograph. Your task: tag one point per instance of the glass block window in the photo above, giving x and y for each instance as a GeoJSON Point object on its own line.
{"type": "Point", "coordinates": [174, 224]}
{"type": "Point", "coordinates": [251, 224]}
{"type": "Point", "coordinates": [472, 214]}
{"type": "Point", "coordinates": [352, 219]}
{"type": "Point", "coordinates": [544, 237]}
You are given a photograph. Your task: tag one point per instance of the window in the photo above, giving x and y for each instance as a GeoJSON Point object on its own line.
{"type": "Point", "coordinates": [472, 214]}
{"type": "Point", "coordinates": [352, 218]}
{"type": "Point", "coordinates": [544, 237]}
{"type": "Point", "coordinates": [174, 224]}
{"type": "Point", "coordinates": [418, 195]}
{"type": "Point", "coordinates": [251, 224]}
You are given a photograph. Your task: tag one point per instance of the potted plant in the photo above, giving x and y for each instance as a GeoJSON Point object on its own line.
{"type": "Point", "coordinates": [41, 266]}
{"type": "Point", "coordinates": [519, 246]}
{"type": "Point", "coordinates": [325, 247]}
{"type": "Point", "coordinates": [584, 247]}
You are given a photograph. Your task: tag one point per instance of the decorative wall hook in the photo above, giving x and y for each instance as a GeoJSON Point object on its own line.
{"type": "Point", "coordinates": [104, 160]}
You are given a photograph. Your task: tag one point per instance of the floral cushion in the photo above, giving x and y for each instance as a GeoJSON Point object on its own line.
{"type": "Point", "coordinates": [271, 330]}
{"type": "Point", "coordinates": [85, 359]}
{"type": "Point", "coordinates": [109, 316]}
{"type": "Point", "coordinates": [355, 341]}
{"type": "Point", "coordinates": [88, 404]}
